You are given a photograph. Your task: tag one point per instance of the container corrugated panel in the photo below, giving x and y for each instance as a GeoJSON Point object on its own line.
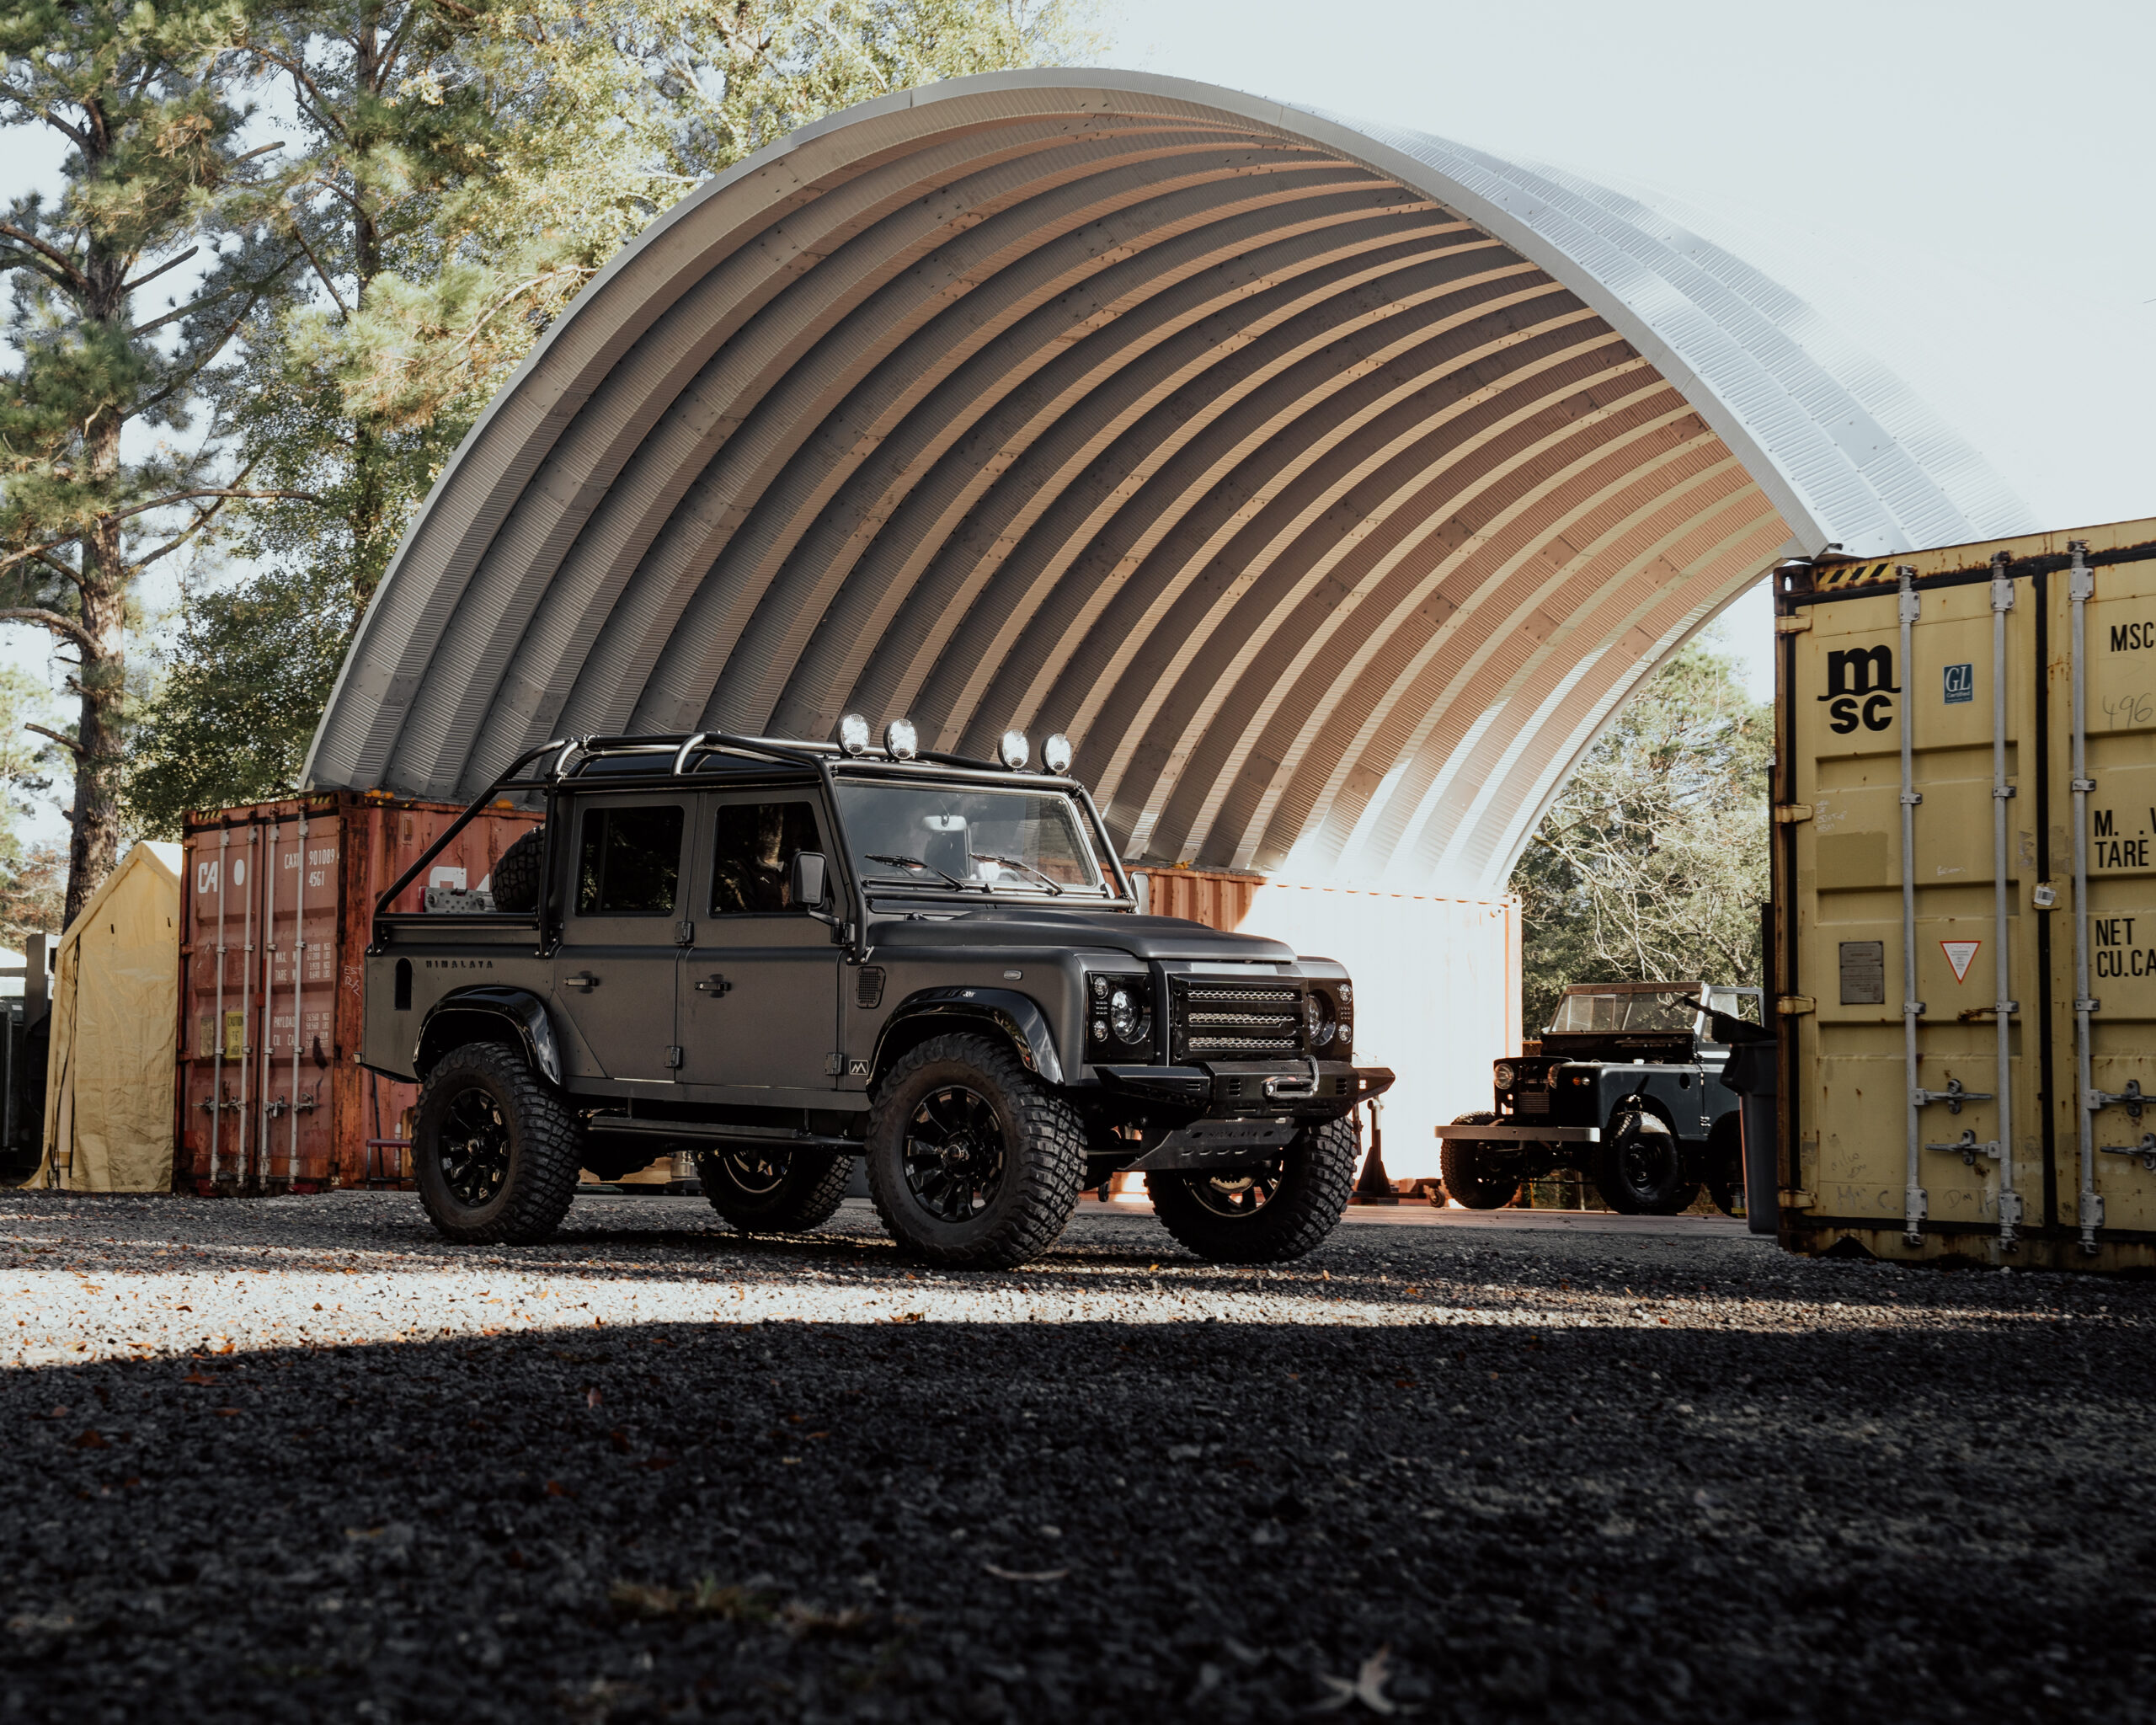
{"type": "Point", "coordinates": [276, 905]}
{"type": "Point", "coordinates": [1437, 982]}
{"type": "Point", "coordinates": [1905, 1125]}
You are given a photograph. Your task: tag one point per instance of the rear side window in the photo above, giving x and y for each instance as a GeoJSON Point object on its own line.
{"type": "Point", "coordinates": [631, 862]}
{"type": "Point", "coordinates": [752, 857]}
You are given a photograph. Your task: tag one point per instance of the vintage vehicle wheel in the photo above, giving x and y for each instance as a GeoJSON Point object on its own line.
{"type": "Point", "coordinates": [1638, 1166]}
{"type": "Point", "coordinates": [515, 877]}
{"type": "Point", "coordinates": [774, 1191]}
{"type": "Point", "coordinates": [972, 1160]}
{"type": "Point", "coordinates": [1269, 1215]}
{"type": "Point", "coordinates": [495, 1153]}
{"type": "Point", "coordinates": [1480, 1173]}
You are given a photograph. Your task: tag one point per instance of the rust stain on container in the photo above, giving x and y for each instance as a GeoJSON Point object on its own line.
{"type": "Point", "coordinates": [275, 901]}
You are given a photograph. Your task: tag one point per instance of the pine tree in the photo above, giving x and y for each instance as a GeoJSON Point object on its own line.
{"type": "Point", "coordinates": [154, 174]}
{"type": "Point", "coordinates": [460, 173]}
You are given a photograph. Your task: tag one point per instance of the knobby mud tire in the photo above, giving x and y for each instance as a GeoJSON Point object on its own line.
{"type": "Point", "coordinates": [515, 879]}
{"type": "Point", "coordinates": [542, 1149]}
{"type": "Point", "coordinates": [802, 1196]}
{"type": "Point", "coordinates": [1315, 1178]}
{"type": "Point", "coordinates": [1471, 1171]}
{"type": "Point", "coordinates": [1043, 1146]}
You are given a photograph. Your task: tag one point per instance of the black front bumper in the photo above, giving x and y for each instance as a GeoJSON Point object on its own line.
{"type": "Point", "coordinates": [1230, 1089]}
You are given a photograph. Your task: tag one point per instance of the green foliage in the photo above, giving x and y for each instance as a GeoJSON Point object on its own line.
{"type": "Point", "coordinates": [462, 172]}
{"type": "Point", "coordinates": [153, 173]}
{"type": "Point", "coordinates": [249, 674]}
{"type": "Point", "coordinates": [1652, 862]}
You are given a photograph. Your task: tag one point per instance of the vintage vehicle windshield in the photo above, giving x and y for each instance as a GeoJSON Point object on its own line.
{"type": "Point", "coordinates": [1636, 1010]}
{"type": "Point", "coordinates": [970, 838]}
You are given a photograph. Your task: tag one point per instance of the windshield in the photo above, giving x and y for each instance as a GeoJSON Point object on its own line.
{"type": "Point", "coordinates": [1583, 1014]}
{"type": "Point", "coordinates": [975, 839]}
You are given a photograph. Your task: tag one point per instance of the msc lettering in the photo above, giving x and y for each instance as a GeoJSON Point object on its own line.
{"type": "Point", "coordinates": [2132, 638]}
{"type": "Point", "coordinates": [1860, 688]}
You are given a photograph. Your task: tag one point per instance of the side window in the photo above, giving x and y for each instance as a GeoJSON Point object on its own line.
{"type": "Point", "coordinates": [631, 862]}
{"type": "Point", "coordinates": [752, 857]}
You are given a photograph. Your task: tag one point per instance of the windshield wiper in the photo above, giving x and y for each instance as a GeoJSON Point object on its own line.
{"type": "Point", "coordinates": [1054, 887]}
{"type": "Point", "coordinates": [912, 862]}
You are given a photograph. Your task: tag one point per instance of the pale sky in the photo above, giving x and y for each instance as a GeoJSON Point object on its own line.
{"type": "Point", "coordinates": [1964, 188]}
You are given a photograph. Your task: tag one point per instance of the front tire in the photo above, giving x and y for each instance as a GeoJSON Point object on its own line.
{"type": "Point", "coordinates": [1281, 1211]}
{"type": "Point", "coordinates": [774, 1191]}
{"type": "Point", "coordinates": [495, 1153]}
{"type": "Point", "coordinates": [1639, 1167]}
{"type": "Point", "coordinates": [1480, 1173]}
{"type": "Point", "coordinates": [973, 1161]}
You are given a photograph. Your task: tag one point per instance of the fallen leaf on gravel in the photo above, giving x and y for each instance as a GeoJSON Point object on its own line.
{"type": "Point", "coordinates": [706, 1599]}
{"type": "Point", "coordinates": [590, 1396]}
{"type": "Point", "coordinates": [1003, 1574]}
{"type": "Point", "coordinates": [802, 1620]}
{"type": "Point", "coordinates": [227, 1413]}
{"type": "Point", "coordinates": [908, 1317]}
{"type": "Point", "coordinates": [199, 1377]}
{"type": "Point", "coordinates": [90, 1440]}
{"type": "Point", "coordinates": [555, 1488]}
{"type": "Point", "coordinates": [1368, 1688]}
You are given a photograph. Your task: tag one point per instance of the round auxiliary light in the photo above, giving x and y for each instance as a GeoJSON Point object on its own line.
{"type": "Point", "coordinates": [1055, 754]}
{"type": "Point", "coordinates": [900, 740]}
{"type": "Point", "coordinates": [853, 734]}
{"type": "Point", "coordinates": [1013, 750]}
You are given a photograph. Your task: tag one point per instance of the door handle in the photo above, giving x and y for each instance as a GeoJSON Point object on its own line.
{"type": "Point", "coordinates": [714, 985]}
{"type": "Point", "coordinates": [583, 978]}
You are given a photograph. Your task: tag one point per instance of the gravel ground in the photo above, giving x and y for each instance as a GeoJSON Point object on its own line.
{"type": "Point", "coordinates": [298, 1459]}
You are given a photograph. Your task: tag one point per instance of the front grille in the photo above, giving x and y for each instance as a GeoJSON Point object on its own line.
{"type": "Point", "coordinates": [1533, 1101]}
{"type": "Point", "coordinates": [1234, 1020]}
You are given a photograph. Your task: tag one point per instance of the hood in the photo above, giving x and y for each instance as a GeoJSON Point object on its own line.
{"type": "Point", "coordinates": [1038, 925]}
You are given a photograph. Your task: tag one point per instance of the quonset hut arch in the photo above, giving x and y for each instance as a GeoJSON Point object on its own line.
{"type": "Point", "coordinates": [1331, 484]}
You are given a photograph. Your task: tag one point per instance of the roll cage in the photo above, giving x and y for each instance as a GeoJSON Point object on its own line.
{"type": "Point", "coordinates": [548, 770]}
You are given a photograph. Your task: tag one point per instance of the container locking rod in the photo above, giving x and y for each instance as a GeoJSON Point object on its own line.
{"type": "Point", "coordinates": [1914, 1201]}
{"type": "Point", "coordinates": [2009, 1199]}
{"type": "Point", "coordinates": [2081, 589]}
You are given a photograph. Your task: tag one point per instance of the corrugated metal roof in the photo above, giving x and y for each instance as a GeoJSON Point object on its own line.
{"type": "Point", "coordinates": [1330, 484]}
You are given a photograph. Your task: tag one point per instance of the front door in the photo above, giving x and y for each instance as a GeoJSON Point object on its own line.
{"type": "Point", "coordinates": [614, 971]}
{"type": "Point", "coordinates": [759, 988]}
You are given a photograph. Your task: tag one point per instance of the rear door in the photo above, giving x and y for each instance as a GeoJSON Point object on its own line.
{"type": "Point", "coordinates": [614, 970]}
{"type": "Point", "coordinates": [759, 1000]}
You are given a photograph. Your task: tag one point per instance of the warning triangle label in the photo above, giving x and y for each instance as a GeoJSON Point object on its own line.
{"type": "Point", "coordinates": [1960, 953]}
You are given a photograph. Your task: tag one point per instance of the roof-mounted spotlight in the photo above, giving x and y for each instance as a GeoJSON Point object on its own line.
{"type": "Point", "coordinates": [853, 734]}
{"type": "Point", "coordinates": [1055, 754]}
{"type": "Point", "coordinates": [1013, 750]}
{"type": "Point", "coordinates": [900, 741]}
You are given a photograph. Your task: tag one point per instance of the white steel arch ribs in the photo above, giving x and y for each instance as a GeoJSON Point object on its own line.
{"type": "Point", "coordinates": [1331, 484]}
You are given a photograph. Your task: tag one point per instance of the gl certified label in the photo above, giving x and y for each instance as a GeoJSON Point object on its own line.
{"type": "Point", "coordinates": [1960, 684]}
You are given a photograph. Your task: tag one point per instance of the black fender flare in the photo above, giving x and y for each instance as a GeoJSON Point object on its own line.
{"type": "Point", "coordinates": [1018, 1016]}
{"type": "Point", "coordinates": [518, 1007]}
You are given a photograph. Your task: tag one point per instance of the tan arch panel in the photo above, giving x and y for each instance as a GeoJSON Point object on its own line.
{"type": "Point", "coordinates": [1332, 484]}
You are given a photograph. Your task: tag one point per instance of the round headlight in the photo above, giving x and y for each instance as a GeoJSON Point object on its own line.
{"type": "Point", "coordinates": [853, 734]}
{"type": "Point", "coordinates": [1503, 1075]}
{"type": "Point", "coordinates": [1127, 1016]}
{"type": "Point", "coordinates": [1055, 753]}
{"type": "Point", "coordinates": [1318, 1019]}
{"type": "Point", "coordinates": [1013, 750]}
{"type": "Point", "coordinates": [900, 739]}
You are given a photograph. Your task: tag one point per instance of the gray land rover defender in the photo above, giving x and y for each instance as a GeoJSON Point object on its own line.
{"type": "Point", "coordinates": [781, 956]}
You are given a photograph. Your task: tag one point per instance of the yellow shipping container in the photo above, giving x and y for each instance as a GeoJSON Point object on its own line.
{"type": "Point", "coordinates": [1965, 891]}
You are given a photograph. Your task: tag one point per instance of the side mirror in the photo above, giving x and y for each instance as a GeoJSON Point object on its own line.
{"type": "Point", "coordinates": [811, 883]}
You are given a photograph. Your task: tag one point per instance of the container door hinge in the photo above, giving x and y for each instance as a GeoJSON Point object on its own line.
{"type": "Point", "coordinates": [1789, 813]}
{"type": "Point", "coordinates": [1796, 1198]}
{"type": "Point", "coordinates": [1796, 1005]}
{"type": "Point", "coordinates": [1800, 624]}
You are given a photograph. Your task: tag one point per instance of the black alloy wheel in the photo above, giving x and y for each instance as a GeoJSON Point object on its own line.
{"type": "Point", "coordinates": [472, 1149]}
{"type": "Point", "coordinates": [763, 1191]}
{"type": "Point", "coordinates": [1281, 1209]}
{"type": "Point", "coordinates": [954, 1153]}
{"type": "Point", "coordinates": [496, 1154]}
{"type": "Point", "coordinates": [972, 1161]}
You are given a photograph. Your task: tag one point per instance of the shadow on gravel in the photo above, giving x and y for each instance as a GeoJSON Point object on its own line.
{"type": "Point", "coordinates": [1054, 1523]}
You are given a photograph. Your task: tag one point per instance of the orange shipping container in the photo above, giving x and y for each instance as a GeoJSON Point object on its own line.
{"type": "Point", "coordinates": [276, 904]}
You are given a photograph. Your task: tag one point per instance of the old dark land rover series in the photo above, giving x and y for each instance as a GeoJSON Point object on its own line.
{"type": "Point", "coordinates": [1626, 1085]}
{"type": "Point", "coordinates": [781, 956]}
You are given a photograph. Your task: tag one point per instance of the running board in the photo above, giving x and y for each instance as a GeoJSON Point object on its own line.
{"type": "Point", "coordinates": [706, 1132]}
{"type": "Point", "coordinates": [1525, 1135]}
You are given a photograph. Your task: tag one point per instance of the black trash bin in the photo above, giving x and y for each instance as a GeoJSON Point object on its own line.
{"type": "Point", "coordinates": [1751, 1074]}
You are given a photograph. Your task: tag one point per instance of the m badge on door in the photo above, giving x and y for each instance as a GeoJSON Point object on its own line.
{"type": "Point", "coordinates": [1960, 953]}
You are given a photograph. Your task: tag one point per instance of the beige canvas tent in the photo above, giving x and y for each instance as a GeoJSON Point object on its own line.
{"type": "Point", "coordinates": [108, 1083]}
